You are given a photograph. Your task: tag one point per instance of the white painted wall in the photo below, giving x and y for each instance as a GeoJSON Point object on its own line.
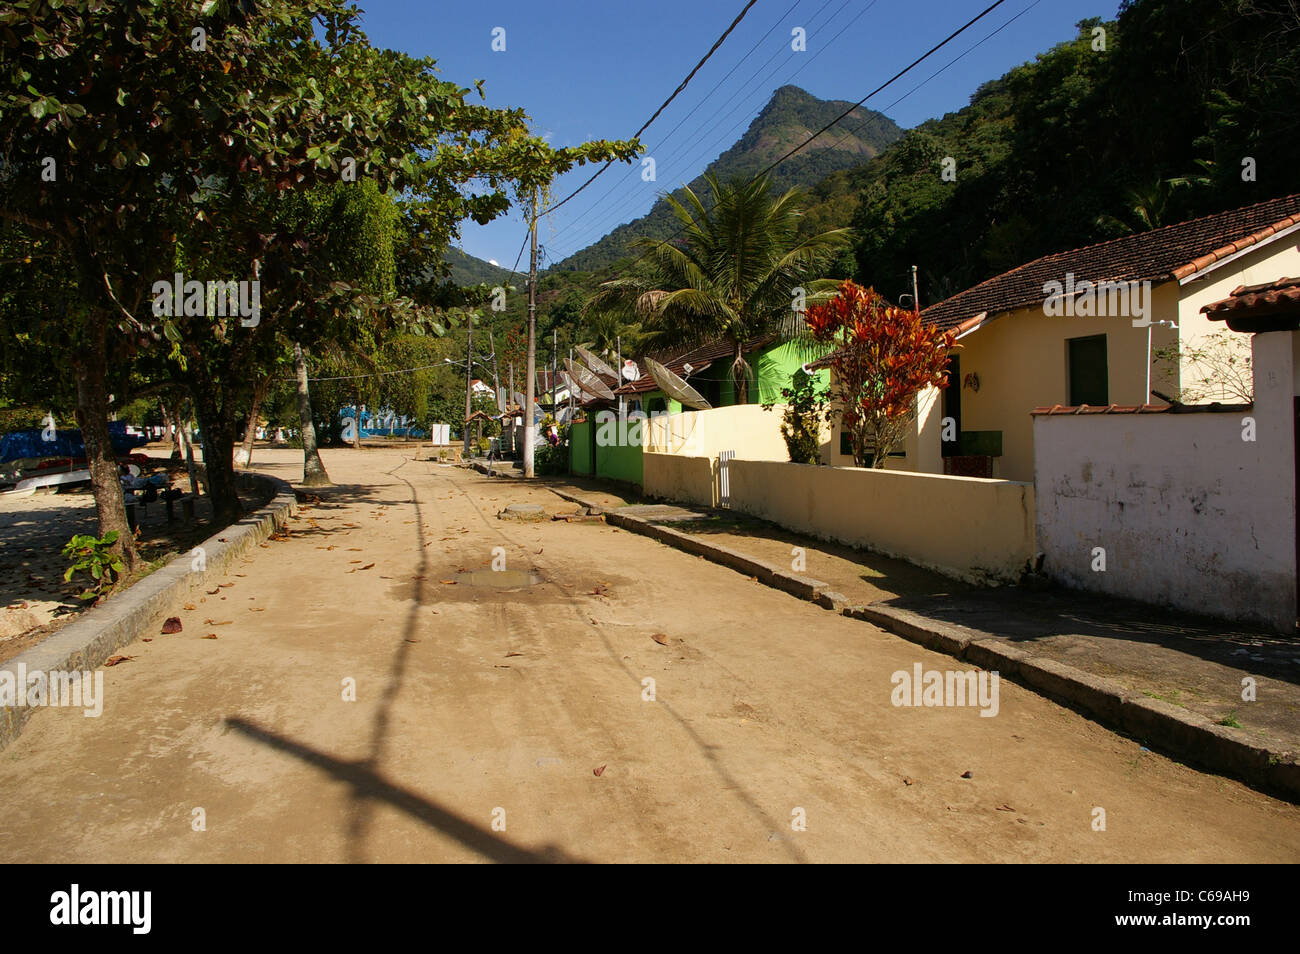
{"type": "Point", "coordinates": [1189, 514]}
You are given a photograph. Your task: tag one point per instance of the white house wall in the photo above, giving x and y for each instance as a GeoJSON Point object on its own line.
{"type": "Point", "coordinates": [1188, 514]}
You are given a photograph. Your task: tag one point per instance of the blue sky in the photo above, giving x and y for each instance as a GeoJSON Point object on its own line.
{"type": "Point", "coordinates": [586, 69]}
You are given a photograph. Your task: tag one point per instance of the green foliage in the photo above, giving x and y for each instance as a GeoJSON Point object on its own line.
{"type": "Point", "coordinates": [736, 276]}
{"type": "Point", "coordinates": [94, 556]}
{"type": "Point", "coordinates": [551, 459]}
{"type": "Point", "coordinates": [1081, 145]}
{"type": "Point", "coordinates": [805, 403]}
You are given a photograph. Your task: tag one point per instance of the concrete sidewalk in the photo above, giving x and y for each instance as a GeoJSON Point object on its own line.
{"type": "Point", "coordinates": [1178, 682]}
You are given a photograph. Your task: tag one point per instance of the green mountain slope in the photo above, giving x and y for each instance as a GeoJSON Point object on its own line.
{"type": "Point", "coordinates": [468, 270]}
{"type": "Point", "coordinates": [787, 120]}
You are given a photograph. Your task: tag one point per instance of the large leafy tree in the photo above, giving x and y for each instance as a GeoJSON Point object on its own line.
{"type": "Point", "coordinates": [142, 136]}
{"type": "Point", "coordinates": [741, 270]}
{"type": "Point", "coordinates": [884, 356]}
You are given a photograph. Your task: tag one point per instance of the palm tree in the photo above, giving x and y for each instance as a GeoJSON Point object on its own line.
{"type": "Point", "coordinates": [736, 275]}
{"type": "Point", "coordinates": [604, 330]}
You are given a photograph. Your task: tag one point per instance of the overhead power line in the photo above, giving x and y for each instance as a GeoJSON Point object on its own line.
{"type": "Point", "coordinates": [883, 86]}
{"type": "Point", "coordinates": [698, 142]}
{"type": "Point", "coordinates": [644, 126]}
{"type": "Point", "coordinates": [889, 82]}
{"type": "Point", "coordinates": [573, 223]}
{"type": "Point", "coordinates": [681, 86]}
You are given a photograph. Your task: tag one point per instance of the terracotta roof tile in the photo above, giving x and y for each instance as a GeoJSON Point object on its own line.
{"type": "Point", "coordinates": [1175, 251]}
{"type": "Point", "coordinates": [1085, 410]}
{"type": "Point", "coordinates": [1269, 297]}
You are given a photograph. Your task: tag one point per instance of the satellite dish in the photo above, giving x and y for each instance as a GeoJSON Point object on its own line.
{"type": "Point", "coordinates": [593, 362]}
{"type": "Point", "coordinates": [573, 387]}
{"type": "Point", "coordinates": [675, 387]}
{"type": "Point", "coordinates": [630, 371]}
{"type": "Point", "coordinates": [588, 381]}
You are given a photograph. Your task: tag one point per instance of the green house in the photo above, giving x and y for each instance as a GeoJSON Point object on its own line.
{"type": "Point", "coordinates": [707, 369]}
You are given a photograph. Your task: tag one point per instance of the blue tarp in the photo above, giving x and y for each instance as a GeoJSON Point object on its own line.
{"type": "Point", "coordinates": [29, 443]}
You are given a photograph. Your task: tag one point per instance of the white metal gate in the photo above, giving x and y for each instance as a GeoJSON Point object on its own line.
{"type": "Point", "coordinates": [724, 477]}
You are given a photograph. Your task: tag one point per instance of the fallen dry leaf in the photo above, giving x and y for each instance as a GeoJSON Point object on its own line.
{"type": "Point", "coordinates": [224, 585]}
{"type": "Point", "coordinates": [115, 660]}
{"type": "Point", "coordinates": [508, 655]}
{"type": "Point", "coordinates": [659, 638]}
{"type": "Point", "coordinates": [214, 592]}
{"type": "Point", "coordinates": [213, 622]}
{"type": "Point", "coordinates": [257, 609]}
{"type": "Point", "coordinates": [190, 606]}
{"type": "Point", "coordinates": [598, 772]}
{"type": "Point", "coordinates": [1004, 807]}
{"type": "Point", "coordinates": [448, 582]}
{"type": "Point", "coordinates": [209, 636]}
{"type": "Point", "coordinates": [171, 625]}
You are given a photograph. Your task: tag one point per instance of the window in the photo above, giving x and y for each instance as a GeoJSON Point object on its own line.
{"type": "Point", "coordinates": [1088, 383]}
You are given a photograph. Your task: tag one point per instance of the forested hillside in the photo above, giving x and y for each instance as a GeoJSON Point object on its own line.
{"type": "Point", "coordinates": [787, 120]}
{"type": "Point", "coordinates": [1189, 109]}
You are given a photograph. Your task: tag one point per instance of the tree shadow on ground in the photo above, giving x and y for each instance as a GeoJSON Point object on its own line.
{"type": "Point", "coordinates": [367, 785]}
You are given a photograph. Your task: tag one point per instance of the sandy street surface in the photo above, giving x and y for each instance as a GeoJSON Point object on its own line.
{"type": "Point", "coordinates": [483, 713]}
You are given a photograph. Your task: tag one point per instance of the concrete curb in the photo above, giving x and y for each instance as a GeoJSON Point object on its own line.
{"type": "Point", "coordinates": [501, 468]}
{"type": "Point", "coordinates": [1187, 735]}
{"type": "Point", "coordinates": [85, 644]}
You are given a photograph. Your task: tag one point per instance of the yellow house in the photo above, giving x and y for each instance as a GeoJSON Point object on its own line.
{"type": "Point", "coordinates": [1108, 324]}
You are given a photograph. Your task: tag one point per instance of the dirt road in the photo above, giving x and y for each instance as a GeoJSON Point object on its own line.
{"type": "Point", "coordinates": [483, 713]}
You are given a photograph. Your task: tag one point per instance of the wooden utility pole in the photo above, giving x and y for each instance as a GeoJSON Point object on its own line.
{"type": "Point", "coordinates": [530, 425]}
{"type": "Point", "coordinates": [496, 378]}
{"type": "Point", "coordinates": [469, 344]}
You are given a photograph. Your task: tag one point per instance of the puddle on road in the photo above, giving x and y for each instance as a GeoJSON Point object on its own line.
{"type": "Point", "coordinates": [500, 579]}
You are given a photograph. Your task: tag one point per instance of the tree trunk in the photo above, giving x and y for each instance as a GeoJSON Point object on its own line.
{"type": "Point", "coordinates": [313, 471]}
{"type": "Point", "coordinates": [250, 432]}
{"type": "Point", "coordinates": [167, 421]}
{"type": "Point", "coordinates": [90, 366]}
{"type": "Point", "coordinates": [187, 448]}
{"type": "Point", "coordinates": [174, 425]}
{"type": "Point", "coordinates": [739, 373]}
{"type": "Point", "coordinates": [218, 456]}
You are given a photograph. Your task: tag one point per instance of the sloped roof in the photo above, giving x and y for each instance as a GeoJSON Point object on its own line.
{"type": "Point", "coordinates": [1172, 252]}
{"type": "Point", "coordinates": [1281, 296]}
{"type": "Point", "coordinates": [699, 359]}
